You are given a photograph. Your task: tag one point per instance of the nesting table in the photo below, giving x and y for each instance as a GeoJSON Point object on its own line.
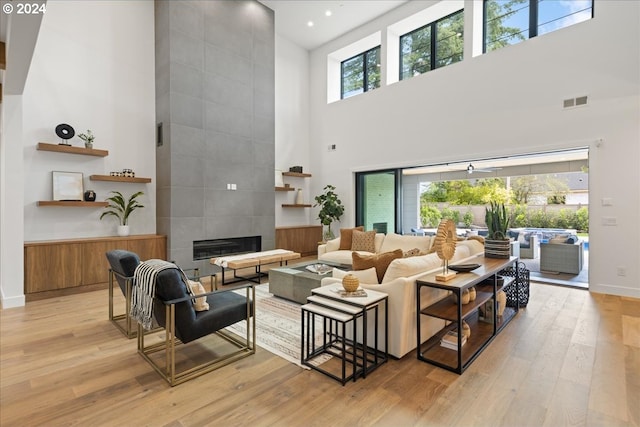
{"type": "Point", "coordinates": [344, 323]}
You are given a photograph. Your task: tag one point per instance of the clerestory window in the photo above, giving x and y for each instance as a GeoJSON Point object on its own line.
{"type": "Point", "coordinates": [360, 73]}
{"type": "Point", "coordinates": [508, 22]}
{"type": "Point", "coordinates": [435, 45]}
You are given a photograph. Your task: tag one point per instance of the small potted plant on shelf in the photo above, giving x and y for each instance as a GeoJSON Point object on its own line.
{"type": "Point", "coordinates": [121, 209]}
{"type": "Point", "coordinates": [496, 245]}
{"type": "Point", "coordinates": [331, 209]}
{"type": "Point", "coordinates": [87, 138]}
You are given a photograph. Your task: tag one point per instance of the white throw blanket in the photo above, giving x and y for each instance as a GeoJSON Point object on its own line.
{"type": "Point", "coordinates": [144, 289]}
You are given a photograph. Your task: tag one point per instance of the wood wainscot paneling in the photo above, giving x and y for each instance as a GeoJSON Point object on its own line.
{"type": "Point", "coordinates": [299, 238]}
{"type": "Point", "coordinates": [61, 267]}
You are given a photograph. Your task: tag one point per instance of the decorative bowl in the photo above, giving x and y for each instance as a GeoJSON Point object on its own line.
{"type": "Point", "coordinates": [463, 268]}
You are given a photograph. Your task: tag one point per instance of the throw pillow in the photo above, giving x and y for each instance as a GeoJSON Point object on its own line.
{"type": "Point", "coordinates": [201, 303]}
{"type": "Point", "coordinates": [572, 240]}
{"type": "Point", "coordinates": [367, 276]}
{"type": "Point", "coordinates": [364, 241]}
{"type": "Point", "coordinates": [379, 261]}
{"type": "Point", "coordinates": [411, 252]}
{"type": "Point", "coordinates": [346, 234]}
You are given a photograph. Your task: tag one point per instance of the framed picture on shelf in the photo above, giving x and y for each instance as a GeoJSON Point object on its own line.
{"type": "Point", "coordinates": [67, 186]}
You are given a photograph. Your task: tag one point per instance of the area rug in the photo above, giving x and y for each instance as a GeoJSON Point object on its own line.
{"type": "Point", "coordinates": [278, 326]}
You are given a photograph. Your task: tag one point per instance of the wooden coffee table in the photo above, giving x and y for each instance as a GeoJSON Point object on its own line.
{"type": "Point", "coordinates": [295, 282]}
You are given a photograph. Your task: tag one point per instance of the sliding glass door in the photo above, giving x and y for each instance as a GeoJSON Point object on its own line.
{"type": "Point", "coordinates": [378, 200]}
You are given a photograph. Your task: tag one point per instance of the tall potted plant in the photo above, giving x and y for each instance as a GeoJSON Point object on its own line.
{"type": "Point", "coordinates": [331, 209]}
{"type": "Point", "coordinates": [122, 210]}
{"type": "Point", "coordinates": [496, 245]}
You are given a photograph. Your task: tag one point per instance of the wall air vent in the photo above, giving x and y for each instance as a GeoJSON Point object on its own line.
{"type": "Point", "coordinates": [574, 102]}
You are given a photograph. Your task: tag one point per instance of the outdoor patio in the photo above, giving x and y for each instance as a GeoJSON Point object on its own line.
{"type": "Point", "coordinates": [579, 281]}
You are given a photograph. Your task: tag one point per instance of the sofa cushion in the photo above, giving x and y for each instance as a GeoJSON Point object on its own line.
{"type": "Point", "coordinates": [572, 240]}
{"type": "Point", "coordinates": [407, 267]}
{"type": "Point", "coordinates": [367, 276]}
{"type": "Point", "coordinates": [363, 241]}
{"type": "Point", "coordinates": [333, 244]}
{"type": "Point", "coordinates": [394, 241]}
{"type": "Point", "coordinates": [379, 261]}
{"type": "Point", "coordinates": [346, 234]}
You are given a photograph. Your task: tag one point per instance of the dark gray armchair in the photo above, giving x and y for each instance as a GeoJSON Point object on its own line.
{"type": "Point", "coordinates": [173, 309]}
{"type": "Point", "coordinates": [123, 264]}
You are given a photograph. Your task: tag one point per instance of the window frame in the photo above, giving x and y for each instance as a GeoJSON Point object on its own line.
{"type": "Point", "coordinates": [434, 43]}
{"type": "Point", "coordinates": [365, 69]}
{"type": "Point", "coordinates": [533, 22]}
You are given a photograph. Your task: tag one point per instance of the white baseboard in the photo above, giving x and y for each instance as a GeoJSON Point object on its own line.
{"type": "Point", "coordinates": [615, 290]}
{"type": "Point", "coordinates": [11, 302]}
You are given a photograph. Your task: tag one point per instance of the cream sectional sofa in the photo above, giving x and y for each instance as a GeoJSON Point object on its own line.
{"type": "Point", "coordinates": [383, 243]}
{"type": "Point", "coordinates": [399, 282]}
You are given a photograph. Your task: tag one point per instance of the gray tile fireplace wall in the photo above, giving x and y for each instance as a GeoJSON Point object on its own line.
{"type": "Point", "coordinates": [215, 100]}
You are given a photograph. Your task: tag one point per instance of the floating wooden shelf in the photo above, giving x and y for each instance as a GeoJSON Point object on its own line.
{"type": "Point", "coordinates": [72, 204]}
{"type": "Point", "coordinates": [285, 188]}
{"type": "Point", "coordinates": [297, 174]}
{"type": "Point", "coordinates": [119, 178]}
{"type": "Point", "coordinates": [43, 146]}
{"type": "Point", "coordinates": [295, 206]}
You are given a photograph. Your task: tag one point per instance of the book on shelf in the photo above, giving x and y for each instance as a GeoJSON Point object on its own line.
{"type": "Point", "coordinates": [450, 340]}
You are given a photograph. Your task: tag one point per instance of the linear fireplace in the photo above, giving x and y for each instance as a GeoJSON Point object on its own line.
{"type": "Point", "coordinates": [205, 249]}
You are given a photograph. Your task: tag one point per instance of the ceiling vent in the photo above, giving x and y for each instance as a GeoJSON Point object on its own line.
{"type": "Point", "coordinates": [574, 102]}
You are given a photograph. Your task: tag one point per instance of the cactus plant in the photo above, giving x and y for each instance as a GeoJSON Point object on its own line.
{"type": "Point", "coordinates": [497, 220]}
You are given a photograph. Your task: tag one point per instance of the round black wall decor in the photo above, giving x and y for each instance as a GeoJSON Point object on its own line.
{"type": "Point", "coordinates": [65, 131]}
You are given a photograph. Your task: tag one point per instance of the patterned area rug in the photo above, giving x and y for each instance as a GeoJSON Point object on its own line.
{"type": "Point", "coordinates": [278, 326]}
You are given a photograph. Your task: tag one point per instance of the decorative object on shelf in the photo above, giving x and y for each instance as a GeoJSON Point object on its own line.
{"type": "Point", "coordinates": [463, 268]}
{"type": "Point", "coordinates": [465, 297]}
{"type": "Point", "coordinates": [122, 210]}
{"type": "Point", "coordinates": [299, 199]}
{"type": "Point", "coordinates": [87, 138]}
{"type": "Point", "coordinates": [129, 173]}
{"type": "Point", "coordinates": [350, 283]}
{"type": "Point", "coordinates": [89, 196]}
{"type": "Point", "coordinates": [496, 245]}
{"type": "Point", "coordinates": [65, 132]}
{"type": "Point", "coordinates": [67, 186]}
{"type": "Point", "coordinates": [331, 209]}
{"type": "Point", "coordinates": [501, 299]}
{"type": "Point", "coordinates": [466, 330]}
{"type": "Point", "coordinates": [445, 244]}
{"type": "Point", "coordinates": [296, 169]}
{"type": "Point", "coordinates": [472, 293]}
{"type": "Point", "coordinates": [279, 181]}
{"type": "Point", "coordinates": [518, 294]}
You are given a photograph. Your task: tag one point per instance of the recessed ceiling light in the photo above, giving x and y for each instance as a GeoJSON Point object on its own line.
{"type": "Point", "coordinates": [310, 24]}
{"type": "Point", "coordinates": [327, 13]}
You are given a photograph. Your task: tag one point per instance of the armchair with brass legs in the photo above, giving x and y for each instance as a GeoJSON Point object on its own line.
{"type": "Point", "coordinates": [173, 309]}
{"type": "Point", "coordinates": [123, 264]}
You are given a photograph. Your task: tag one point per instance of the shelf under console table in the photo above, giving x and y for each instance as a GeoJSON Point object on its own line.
{"type": "Point", "coordinates": [481, 314]}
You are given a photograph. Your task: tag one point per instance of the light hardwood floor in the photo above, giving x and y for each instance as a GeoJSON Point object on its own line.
{"type": "Point", "coordinates": [570, 358]}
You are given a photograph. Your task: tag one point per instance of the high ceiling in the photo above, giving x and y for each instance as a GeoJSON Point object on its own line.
{"type": "Point", "coordinates": [293, 16]}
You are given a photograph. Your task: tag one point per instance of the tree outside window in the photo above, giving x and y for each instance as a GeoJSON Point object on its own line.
{"type": "Point", "coordinates": [360, 73]}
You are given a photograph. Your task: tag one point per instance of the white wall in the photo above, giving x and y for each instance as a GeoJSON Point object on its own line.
{"type": "Point", "coordinates": [93, 68]}
{"type": "Point", "coordinates": [505, 102]}
{"type": "Point", "coordinates": [292, 129]}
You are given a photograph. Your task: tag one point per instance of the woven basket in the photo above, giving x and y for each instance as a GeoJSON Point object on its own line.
{"type": "Point", "coordinates": [350, 283]}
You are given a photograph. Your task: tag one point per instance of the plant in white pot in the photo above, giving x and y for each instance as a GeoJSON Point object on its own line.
{"type": "Point", "coordinates": [122, 209]}
{"type": "Point", "coordinates": [331, 209]}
